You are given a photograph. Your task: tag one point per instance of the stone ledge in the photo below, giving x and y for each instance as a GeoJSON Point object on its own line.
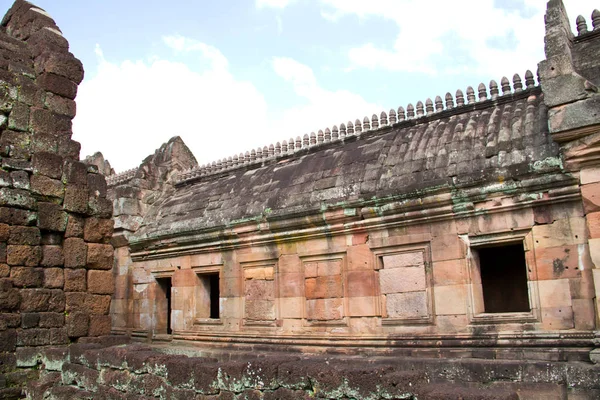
{"type": "Point", "coordinates": [93, 370]}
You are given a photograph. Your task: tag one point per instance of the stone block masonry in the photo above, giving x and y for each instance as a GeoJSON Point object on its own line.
{"type": "Point", "coordinates": [449, 250]}
{"type": "Point", "coordinates": [463, 222]}
{"type": "Point", "coordinates": [108, 368]}
{"type": "Point", "coordinates": [55, 221]}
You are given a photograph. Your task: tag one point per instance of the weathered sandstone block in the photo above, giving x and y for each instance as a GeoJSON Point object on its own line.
{"type": "Point", "coordinates": [76, 199]}
{"type": "Point", "coordinates": [10, 298]}
{"type": "Point", "coordinates": [75, 226]}
{"type": "Point", "coordinates": [99, 256]}
{"type": "Point", "coordinates": [75, 280]}
{"type": "Point", "coordinates": [46, 121]}
{"type": "Point", "coordinates": [38, 300]}
{"type": "Point", "coordinates": [45, 186]}
{"type": "Point", "coordinates": [18, 198]}
{"type": "Point", "coordinates": [324, 287]}
{"type": "Point", "coordinates": [23, 235]}
{"type": "Point", "coordinates": [52, 256]}
{"type": "Point", "coordinates": [99, 325]}
{"type": "Point", "coordinates": [27, 276]}
{"type": "Point", "coordinates": [15, 216]}
{"type": "Point", "coordinates": [54, 278]}
{"type": "Point", "coordinates": [98, 230]}
{"type": "Point", "coordinates": [29, 256]}
{"type": "Point", "coordinates": [58, 85]}
{"type": "Point", "coordinates": [77, 324]}
{"type": "Point", "coordinates": [47, 164]}
{"type": "Point", "coordinates": [51, 217]}
{"type": "Point", "coordinates": [75, 251]}
{"type": "Point", "coordinates": [75, 173]}
{"type": "Point", "coordinates": [4, 271]}
{"type": "Point", "coordinates": [325, 309]}
{"type": "Point", "coordinates": [100, 282]}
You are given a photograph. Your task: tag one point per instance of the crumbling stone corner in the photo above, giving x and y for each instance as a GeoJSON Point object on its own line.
{"type": "Point", "coordinates": [55, 221]}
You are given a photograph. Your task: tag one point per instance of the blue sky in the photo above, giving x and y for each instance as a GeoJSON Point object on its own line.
{"type": "Point", "coordinates": [233, 75]}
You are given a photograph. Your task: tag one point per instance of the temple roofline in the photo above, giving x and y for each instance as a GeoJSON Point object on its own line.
{"type": "Point", "coordinates": [422, 113]}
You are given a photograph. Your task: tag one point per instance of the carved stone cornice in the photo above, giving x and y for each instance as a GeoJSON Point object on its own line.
{"type": "Point", "coordinates": [445, 204]}
{"type": "Point", "coordinates": [580, 147]}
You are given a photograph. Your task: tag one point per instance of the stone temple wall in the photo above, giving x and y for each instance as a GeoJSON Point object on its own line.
{"type": "Point", "coordinates": [55, 221]}
{"type": "Point", "coordinates": [448, 250]}
{"type": "Point", "coordinates": [377, 235]}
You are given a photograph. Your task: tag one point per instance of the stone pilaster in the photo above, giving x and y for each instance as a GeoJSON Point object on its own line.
{"type": "Point", "coordinates": [569, 82]}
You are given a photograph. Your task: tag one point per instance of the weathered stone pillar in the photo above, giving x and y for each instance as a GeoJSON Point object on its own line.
{"type": "Point", "coordinates": [569, 77]}
{"type": "Point", "coordinates": [56, 260]}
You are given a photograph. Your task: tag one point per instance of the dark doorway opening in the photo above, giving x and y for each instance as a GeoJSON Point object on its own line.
{"type": "Point", "coordinates": [504, 278]}
{"type": "Point", "coordinates": [215, 295]}
{"type": "Point", "coordinates": [163, 305]}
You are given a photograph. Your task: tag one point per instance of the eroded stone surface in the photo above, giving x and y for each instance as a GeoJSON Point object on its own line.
{"type": "Point", "coordinates": [364, 238]}
{"type": "Point", "coordinates": [43, 188]}
{"type": "Point", "coordinates": [90, 370]}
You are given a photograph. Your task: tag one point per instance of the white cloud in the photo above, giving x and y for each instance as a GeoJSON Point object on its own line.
{"type": "Point", "coordinates": [186, 45]}
{"type": "Point", "coordinates": [322, 107]}
{"type": "Point", "coordinates": [300, 75]}
{"type": "Point", "coordinates": [431, 31]}
{"type": "Point", "coordinates": [330, 16]}
{"type": "Point", "coordinates": [273, 3]}
{"type": "Point", "coordinates": [128, 109]}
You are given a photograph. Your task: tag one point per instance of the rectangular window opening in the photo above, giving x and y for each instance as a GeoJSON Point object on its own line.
{"type": "Point", "coordinates": [504, 278]}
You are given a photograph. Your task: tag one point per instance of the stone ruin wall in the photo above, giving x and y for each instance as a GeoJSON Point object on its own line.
{"type": "Point", "coordinates": [296, 292]}
{"type": "Point", "coordinates": [276, 288]}
{"type": "Point", "coordinates": [55, 221]}
{"type": "Point", "coordinates": [353, 288]}
{"type": "Point", "coordinates": [277, 285]}
{"type": "Point", "coordinates": [132, 193]}
{"type": "Point", "coordinates": [103, 370]}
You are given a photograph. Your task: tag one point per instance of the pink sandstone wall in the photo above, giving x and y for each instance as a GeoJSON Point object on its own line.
{"type": "Point", "coordinates": [399, 274]}
{"type": "Point", "coordinates": [311, 254]}
{"type": "Point", "coordinates": [400, 282]}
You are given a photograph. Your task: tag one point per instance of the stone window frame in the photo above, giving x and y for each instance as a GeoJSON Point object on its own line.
{"type": "Point", "coordinates": [391, 249]}
{"type": "Point", "coordinates": [206, 270]}
{"type": "Point", "coordinates": [475, 307]}
{"type": "Point", "coordinates": [270, 262]}
{"type": "Point", "coordinates": [336, 254]}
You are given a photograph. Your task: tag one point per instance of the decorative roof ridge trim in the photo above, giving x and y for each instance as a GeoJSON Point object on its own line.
{"type": "Point", "coordinates": [582, 26]}
{"type": "Point", "coordinates": [428, 112]}
{"type": "Point", "coordinates": [119, 178]}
